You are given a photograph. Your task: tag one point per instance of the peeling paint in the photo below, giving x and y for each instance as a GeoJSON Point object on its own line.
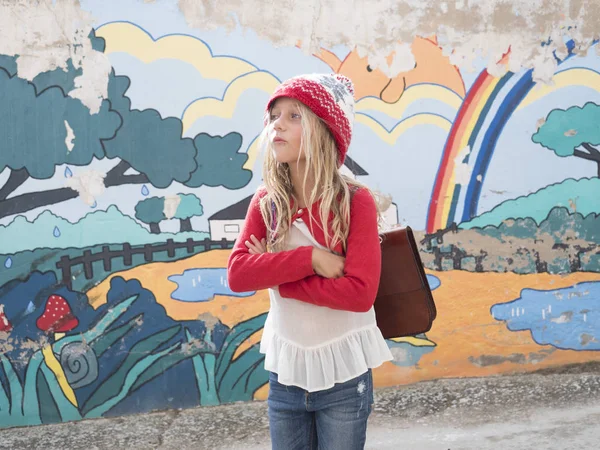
{"type": "Point", "coordinates": [45, 35]}
{"type": "Point", "coordinates": [564, 317]}
{"type": "Point", "coordinates": [462, 171]}
{"type": "Point", "coordinates": [171, 204]}
{"type": "Point", "coordinates": [492, 360]}
{"type": "Point", "coordinates": [532, 31]}
{"type": "Point", "coordinates": [209, 320]}
{"type": "Point", "coordinates": [70, 137]}
{"type": "Point", "coordinates": [517, 358]}
{"type": "Point", "coordinates": [89, 184]}
{"type": "Point", "coordinates": [587, 339]}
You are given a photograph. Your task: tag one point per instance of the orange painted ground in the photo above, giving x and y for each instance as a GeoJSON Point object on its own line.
{"type": "Point", "coordinates": [154, 277]}
{"type": "Point", "coordinates": [464, 327]}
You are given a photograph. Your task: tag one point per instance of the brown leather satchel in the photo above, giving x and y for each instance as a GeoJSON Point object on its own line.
{"type": "Point", "coordinates": [404, 305]}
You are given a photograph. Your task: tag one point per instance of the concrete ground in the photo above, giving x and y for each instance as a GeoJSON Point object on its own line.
{"type": "Point", "coordinates": [547, 410]}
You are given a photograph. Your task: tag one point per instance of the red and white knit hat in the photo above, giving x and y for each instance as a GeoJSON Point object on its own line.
{"type": "Point", "coordinates": [329, 96]}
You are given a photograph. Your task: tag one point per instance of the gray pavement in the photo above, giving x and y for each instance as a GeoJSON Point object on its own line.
{"type": "Point", "coordinates": [547, 410]}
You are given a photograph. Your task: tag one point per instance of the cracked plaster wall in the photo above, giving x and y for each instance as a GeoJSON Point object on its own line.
{"type": "Point", "coordinates": [382, 28]}
{"type": "Point", "coordinates": [45, 34]}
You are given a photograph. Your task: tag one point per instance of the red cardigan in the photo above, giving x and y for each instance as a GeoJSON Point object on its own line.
{"type": "Point", "coordinates": [292, 270]}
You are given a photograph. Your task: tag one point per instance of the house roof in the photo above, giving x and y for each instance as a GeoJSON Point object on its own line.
{"type": "Point", "coordinates": [237, 211]}
{"type": "Point", "coordinates": [354, 167]}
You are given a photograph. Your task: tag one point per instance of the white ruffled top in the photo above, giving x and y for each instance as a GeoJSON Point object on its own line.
{"type": "Point", "coordinates": [314, 347]}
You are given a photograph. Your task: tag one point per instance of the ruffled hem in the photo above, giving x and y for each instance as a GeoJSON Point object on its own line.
{"type": "Point", "coordinates": [322, 367]}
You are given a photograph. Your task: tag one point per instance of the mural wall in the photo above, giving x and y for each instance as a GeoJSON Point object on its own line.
{"type": "Point", "coordinates": [115, 226]}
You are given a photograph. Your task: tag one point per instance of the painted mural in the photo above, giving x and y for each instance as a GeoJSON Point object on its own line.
{"type": "Point", "coordinates": [115, 227]}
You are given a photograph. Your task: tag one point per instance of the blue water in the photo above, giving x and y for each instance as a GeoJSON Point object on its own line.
{"type": "Point", "coordinates": [566, 318]}
{"type": "Point", "coordinates": [201, 285]}
{"type": "Point", "coordinates": [405, 354]}
{"type": "Point", "coordinates": [434, 282]}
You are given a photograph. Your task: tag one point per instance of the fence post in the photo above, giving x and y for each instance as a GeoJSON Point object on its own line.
{"type": "Point", "coordinates": [127, 253]}
{"type": "Point", "coordinates": [457, 256]}
{"type": "Point", "coordinates": [148, 252]}
{"type": "Point", "coordinates": [87, 265]}
{"type": "Point", "coordinates": [479, 264]}
{"type": "Point", "coordinates": [170, 248]}
{"type": "Point", "coordinates": [189, 244]}
{"type": "Point", "coordinates": [65, 265]}
{"type": "Point", "coordinates": [224, 243]}
{"type": "Point", "coordinates": [106, 258]}
{"type": "Point", "coordinates": [438, 257]}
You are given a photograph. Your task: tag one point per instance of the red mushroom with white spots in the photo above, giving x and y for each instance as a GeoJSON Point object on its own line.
{"type": "Point", "coordinates": [57, 317]}
{"type": "Point", "coordinates": [5, 325]}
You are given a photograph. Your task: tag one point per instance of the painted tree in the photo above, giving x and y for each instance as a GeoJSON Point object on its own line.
{"type": "Point", "coordinates": [151, 211]}
{"type": "Point", "coordinates": [34, 124]}
{"type": "Point", "coordinates": [572, 132]}
{"type": "Point", "coordinates": [35, 140]}
{"type": "Point", "coordinates": [222, 153]}
{"type": "Point", "coordinates": [190, 206]}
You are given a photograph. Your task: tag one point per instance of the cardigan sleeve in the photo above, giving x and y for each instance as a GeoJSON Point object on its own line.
{"type": "Point", "coordinates": [357, 289]}
{"type": "Point", "coordinates": [246, 272]}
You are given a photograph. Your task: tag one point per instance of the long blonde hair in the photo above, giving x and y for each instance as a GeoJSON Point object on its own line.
{"type": "Point", "coordinates": [331, 186]}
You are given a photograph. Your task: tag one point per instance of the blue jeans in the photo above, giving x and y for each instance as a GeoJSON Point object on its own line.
{"type": "Point", "coordinates": [331, 419]}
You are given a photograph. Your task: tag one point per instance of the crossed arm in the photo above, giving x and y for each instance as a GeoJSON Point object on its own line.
{"type": "Point", "coordinates": [292, 271]}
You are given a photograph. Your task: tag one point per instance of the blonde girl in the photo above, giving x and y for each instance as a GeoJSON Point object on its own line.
{"type": "Point", "coordinates": [311, 237]}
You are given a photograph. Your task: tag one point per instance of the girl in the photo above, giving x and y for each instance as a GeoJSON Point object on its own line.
{"type": "Point", "coordinates": [311, 237]}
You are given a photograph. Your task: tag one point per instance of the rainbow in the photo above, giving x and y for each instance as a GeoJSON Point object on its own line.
{"type": "Point", "coordinates": [465, 131]}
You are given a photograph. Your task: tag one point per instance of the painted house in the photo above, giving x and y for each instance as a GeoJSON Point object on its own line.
{"type": "Point", "coordinates": [227, 223]}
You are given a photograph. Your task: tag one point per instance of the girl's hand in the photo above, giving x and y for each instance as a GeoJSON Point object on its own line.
{"type": "Point", "coordinates": [327, 264]}
{"type": "Point", "coordinates": [256, 247]}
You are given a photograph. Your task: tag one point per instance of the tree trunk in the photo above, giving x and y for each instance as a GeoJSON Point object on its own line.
{"type": "Point", "coordinates": [154, 228]}
{"type": "Point", "coordinates": [16, 179]}
{"type": "Point", "coordinates": [26, 202]}
{"type": "Point", "coordinates": [186, 225]}
{"type": "Point", "coordinates": [593, 155]}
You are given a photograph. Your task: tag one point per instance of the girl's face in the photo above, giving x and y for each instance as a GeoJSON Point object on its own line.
{"type": "Point", "coordinates": [285, 131]}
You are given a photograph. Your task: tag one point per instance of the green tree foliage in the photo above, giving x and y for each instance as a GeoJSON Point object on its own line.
{"type": "Point", "coordinates": [34, 124]}
{"type": "Point", "coordinates": [32, 118]}
{"type": "Point", "coordinates": [150, 144]}
{"type": "Point", "coordinates": [219, 162]}
{"type": "Point", "coordinates": [572, 132]}
{"type": "Point", "coordinates": [190, 206]}
{"type": "Point", "coordinates": [151, 211]}
{"type": "Point", "coordinates": [559, 222]}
